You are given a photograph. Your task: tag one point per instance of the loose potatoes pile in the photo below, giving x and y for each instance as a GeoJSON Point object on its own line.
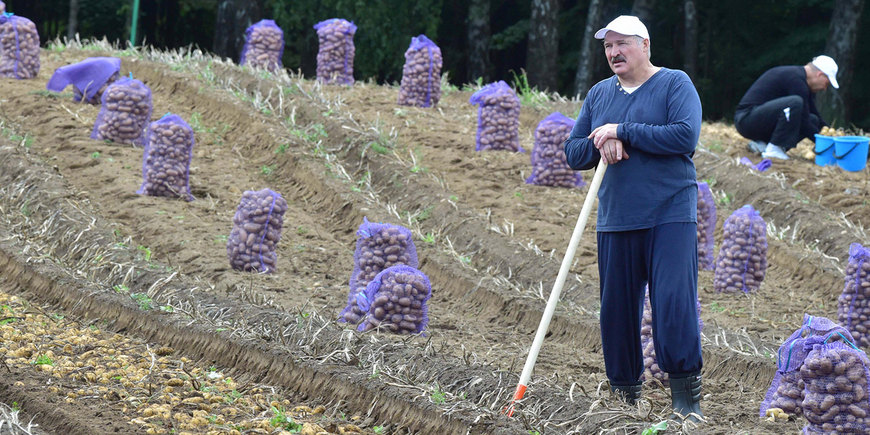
{"type": "Point", "coordinates": [166, 162]}
{"type": "Point", "coordinates": [742, 260]}
{"type": "Point", "coordinates": [853, 305]}
{"type": "Point", "coordinates": [336, 51]}
{"type": "Point", "coordinates": [421, 75]}
{"type": "Point", "coordinates": [835, 393]}
{"type": "Point", "coordinates": [706, 226]}
{"type": "Point", "coordinates": [264, 46]}
{"type": "Point", "coordinates": [498, 119]}
{"type": "Point", "coordinates": [19, 48]}
{"type": "Point", "coordinates": [549, 165]}
{"type": "Point", "coordinates": [256, 231]}
{"type": "Point", "coordinates": [378, 247]}
{"type": "Point", "coordinates": [125, 112]}
{"type": "Point", "coordinates": [397, 298]}
{"type": "Point", "coordinates": [651, 367]}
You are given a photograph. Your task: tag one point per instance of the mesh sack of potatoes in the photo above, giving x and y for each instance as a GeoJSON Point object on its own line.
{"type": "Point", "coordinates": [396, 301]}
{"type": "Point", "coordinates": [742, 260]}
{"type": "Point", "coordinates": [264, 46]}
{"type": "Point", "coordinates": [251, 246]}
{"type": "Point", "coordinates": [835, 388]}
{"type": "Point", "coordinates": [498, 117]}
{"type": "Point", "coordinates": [89, 78]}
{"type": "Point", "coordinates": [706, 226]}
{"type": "Point", "coordinates": [549, 166]}
{"type": "Point", "coordinates": [166, 162]}
{"type": "Point", "coordinates": [651, 369]}
{"type": "Point", "coordinates": [853, 305]}
{"type": "Point", "coordinates": [787, 388]}
{"type": "Point", "coordinates": [19, 47]}
{"type": "Point", "coordinates": [378, 247]}
{"type": "Point", "coordinates": [421, 75]}
{"type": "Point", "coordinates": [336, 51]}
{"type": "Point", "coordinates": [125, 112]}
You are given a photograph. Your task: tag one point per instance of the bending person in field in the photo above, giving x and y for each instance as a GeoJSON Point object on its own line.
{"type": "Point", "coordinates": [645, 122]}
{"type": "Point", "coordinates": [779, 109]}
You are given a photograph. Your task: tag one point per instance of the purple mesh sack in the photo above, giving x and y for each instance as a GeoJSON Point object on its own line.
{"type": "Point", "coordinates": [421, 75]}
{"type": "Point", "coordinates": [396, 300]}
{"type": "Point", "coordinates": [336, 51]}
{"type": "Point", "coordinates": [89, 78]}
{"type": "Point", "coordinates": [125, 112]}
{"type": "Point", "coordinates": [19, 47]}
{"type": "Point", "coordinates": [264, 46]}
{"type": "Point", "coordinates": [647, 343]}
{"type": "Point", "coordinates": [853, 305]}
{"type": "Point", "coordinates": [2, 7]}
{"type": "Point", "coordinates": [742, 259]}
{"type": "Point", "coordinates": [256, 231]}
{"type": "Point", "coordinates": [706, 226]}
{"type": "Point", "coordinates": [498, 118]}
{"type": "Point", "coordinates": [378, 247]}
{"type": "Point", "coordinates": [166, 162]}
{"type": "Point", "coordinates": [835, 392]}
{"type": "Point", "coordinates": [787, 389]}
{"type": "Point", "coordinates": [549, 165]}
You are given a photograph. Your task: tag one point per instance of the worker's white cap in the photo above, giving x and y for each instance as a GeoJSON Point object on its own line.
{"type": "Point", "coordinates": [827, 65]}
{"type": "Point", "coordinates": [627, 25]}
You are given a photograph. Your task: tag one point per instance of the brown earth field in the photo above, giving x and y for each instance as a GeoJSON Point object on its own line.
{"type": "Point", "coordinates": [94, 273]}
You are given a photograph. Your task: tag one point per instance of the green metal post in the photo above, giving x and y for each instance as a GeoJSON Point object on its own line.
{"type": "Point", "coordinates": [135, 23]}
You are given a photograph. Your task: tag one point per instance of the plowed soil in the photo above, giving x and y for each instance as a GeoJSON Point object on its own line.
{"type": "Point", "coordinates": [77, 240]}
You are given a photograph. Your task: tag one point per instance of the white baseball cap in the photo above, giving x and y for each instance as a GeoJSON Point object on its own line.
{"type": "Point", "coordinates": [827, 65]}
{"type": "Point", "coordinates": [628, 25]}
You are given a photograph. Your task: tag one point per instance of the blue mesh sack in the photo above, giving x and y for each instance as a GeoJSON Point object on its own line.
{"type": "Point", "coordinates": [421, 75]}
{"type": "Point", "coordinates": [256, 231]}
{"type": "Point", "coordinates": [787, 389]}
{"type": "Point", "coordinates": [89, 78]}
{"type": "Point", "coordinates": [742, 260]}
{"type": "Point", "coordinates": [378, 247]}
{"type": "Point", "coordinates": [396, 301]}
{"type": "Point", "coordinates": [549, 165]}
{"type": "Point", "coordinates": [19, 47]}
{"type": "Point", "coordinates": [336, 51]}
{"type": "Point", "coordinates": [835, 388]}
{"type": "Point", "coordinates": [264, 46]}
{"type": "Point", "coordinates": [166, 161]}
{"type": "Point", "coordinates": [853, 305]}
{"type": "Point", "coordinates": [651, 369]}
{"type": "Point", "coordinates": [706, 226]}
{"type": "Point", "coordinates": [125, 112]}
{"type": "Point", "coordinates": [498, 117]}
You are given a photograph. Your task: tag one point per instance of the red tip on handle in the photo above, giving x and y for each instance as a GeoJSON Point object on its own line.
{"type": "Point", "coordinates": [518, 395]}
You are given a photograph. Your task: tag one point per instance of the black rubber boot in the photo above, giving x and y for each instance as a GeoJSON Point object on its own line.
{"type": "Point", "coordinates": [686, 398]}
{"type": "Point", "coordinates": [628, 393]}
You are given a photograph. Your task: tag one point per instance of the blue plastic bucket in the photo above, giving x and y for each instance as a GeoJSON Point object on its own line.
{"type": "Point", "coordinates": [824, 150]}
{"type": "Point", "coordinates": [851, 152]}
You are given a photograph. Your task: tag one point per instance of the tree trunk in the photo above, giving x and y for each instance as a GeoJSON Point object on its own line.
{"type": "Point", "coordinates": [479, 35]}
{"type": "Point", "coordinates": [643, 9]}
{"type": "Point", "coordinates": [589, 50]}
{"type": "Point", "coordinates": [842, 37]}
{"type": "Point", "coordinates": [690, 43]}
{"type": "Point", "coordinates": [543, 48]}
{"type": "Point", "coordinates": [233, 18]}
{"type": "Point", "coordinates": [73, 25]}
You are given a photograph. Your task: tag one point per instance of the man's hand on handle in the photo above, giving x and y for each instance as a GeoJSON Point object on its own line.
{"type": "Point", "coordinates": [608, 145]}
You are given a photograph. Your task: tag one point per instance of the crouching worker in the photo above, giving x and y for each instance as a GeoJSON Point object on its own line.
{"type": "Point", "coordinates": [645, 122]}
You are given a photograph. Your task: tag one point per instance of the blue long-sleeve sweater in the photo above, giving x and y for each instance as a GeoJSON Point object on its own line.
{"type": "Point", "coordinates": [659, 125]}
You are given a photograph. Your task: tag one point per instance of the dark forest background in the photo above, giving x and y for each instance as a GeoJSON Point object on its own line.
{"type": "Point", "coordinates": [723, 45]}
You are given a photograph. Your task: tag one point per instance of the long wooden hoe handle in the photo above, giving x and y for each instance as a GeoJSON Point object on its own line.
{"type": "Point", "coordinates": [557, 286]}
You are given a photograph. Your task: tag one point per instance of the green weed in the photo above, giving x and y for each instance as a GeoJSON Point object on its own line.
{"type": "Point", "coordinates": [429, 238]}
{"type": "Point", "coordinates": [438, 396]}
{"type": "Point", "coordinates": [656, 428]}
{"type": "Point", "coordinates": [95, 155]}
{"type": "Point", "coordinates": [43, 360]}
{"type": "Point", "coordinates": [143, 300]}
{"type": "Point", "coordinates": [145, 252]}
{"type": "Point", "coordinates": [121, 288]}
{"type": "Point", "coordinates": [267, 170]}
{"type": "Point", "coordinates": [280, 419]}
{"type": "Point", "coordinates": [282, 148]}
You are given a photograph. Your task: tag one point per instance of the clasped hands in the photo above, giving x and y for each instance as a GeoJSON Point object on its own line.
{"type": "Point", "coordinates": [608, 145]}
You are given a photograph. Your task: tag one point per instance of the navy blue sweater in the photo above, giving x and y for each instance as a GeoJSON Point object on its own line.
{"type": "Point", "coordinates": [659, 125]}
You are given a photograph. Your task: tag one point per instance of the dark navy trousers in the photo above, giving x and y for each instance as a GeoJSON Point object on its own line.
{"type": "Point", "coordinates": [666, 258]}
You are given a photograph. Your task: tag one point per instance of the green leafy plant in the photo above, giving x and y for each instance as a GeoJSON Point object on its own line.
{"type": "Point", "coordinates": [95, 155]}
{"type": "Point", "coordinates": [121, 288]}
{"type": "Point", "coordinates": [267, 170]}
{"type": "Point", "coordinates": [282, 148]}
{"type": "Point", "coordinates": [143, 300]}
{"type": "Point", "coordinates": [145, 251]}
{"type": "Point", "coordinates": [429, 238]}
{"type": "Point", "coordinates": [43, 360]}
{"type": "Point", "coordinates": [438, 396]}
{"type": "Point", "coordinates": [280, 419]}
{"type": "Point", "coordinates": [378, 429]}
{"type": "Point", "coordinates": [656, 428]}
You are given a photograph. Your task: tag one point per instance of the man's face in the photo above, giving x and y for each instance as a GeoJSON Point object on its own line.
{"type": "Point", "coordinates": [624, 53]}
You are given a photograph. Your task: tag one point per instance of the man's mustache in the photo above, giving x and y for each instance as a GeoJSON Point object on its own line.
{"type": "Point", "coordinates": [617, 59]}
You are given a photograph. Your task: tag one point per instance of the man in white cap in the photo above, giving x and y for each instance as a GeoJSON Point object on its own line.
{"type": "Point", "coordinates": [779, 109]}
{"type": "Point", "coordinates": [644, 122]}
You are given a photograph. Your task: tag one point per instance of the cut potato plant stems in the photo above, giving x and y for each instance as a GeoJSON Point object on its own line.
{"type": "Point", "coordinates": [557, 287]}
